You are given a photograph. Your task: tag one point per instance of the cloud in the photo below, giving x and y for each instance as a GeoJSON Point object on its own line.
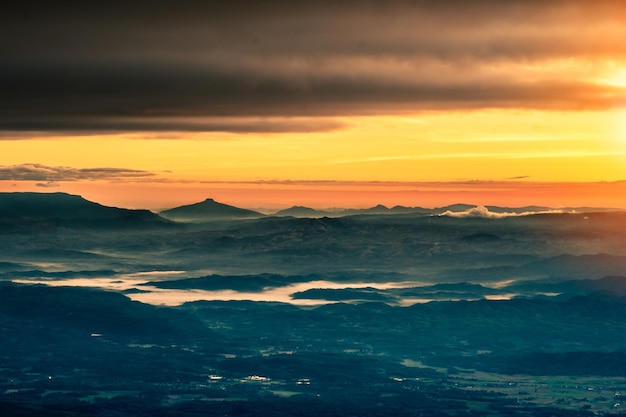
{"type": "Point", "coordinates": [483, 212]}
{"type": "Point", "coordinates": [50, 175]}
{"type": "Point", "coordinates": [193, 66]}
{"type": "Point", "coordinates": [23, 128]}
{"type": "Point", "coordinates": [49, 184]}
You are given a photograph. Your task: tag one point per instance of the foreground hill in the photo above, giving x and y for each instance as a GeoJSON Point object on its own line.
{"type": "Point", "coordinates": [68, 210]}
{"type": "Point", "coordinates": [208, 210]}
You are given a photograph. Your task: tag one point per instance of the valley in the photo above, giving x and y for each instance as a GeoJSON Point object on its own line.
{"type": "Point", "coordinates": [371, 315]}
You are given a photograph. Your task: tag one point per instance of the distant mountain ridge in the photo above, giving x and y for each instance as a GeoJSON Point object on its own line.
{"type": "Point", "coordinates": [208, 210]}
{"type": "Point", "coordinates": [66, 208]}
{"type": "Point", "coordinates": [59, 205]}
{"type": "Point", "coordinates": [302, 211]}
{"type": "Point", "coordinates": [453, 209]}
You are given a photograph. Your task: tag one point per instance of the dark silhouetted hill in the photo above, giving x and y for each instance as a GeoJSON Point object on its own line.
{"type": "Point", "coordinates": [525, 209]}
{"type": "Point", "coordinates": [68, 210]}
{"type": "Point", "coordinates": [208, 210]}
{"type": "Point", "coordinates": [345, 294]}
{"type": "Point", "coordinates": [300, 211]}
{"type": "Point", "coordinates": [455, 207]}
{"type": "Point", "coordinates": [615, 285]}
{"type": "Point", "coordinates": [91, 311]}
{"type": "Point", "coordinates": [253, 283]}
{"type": "Point", "coordinates": [384, 210]}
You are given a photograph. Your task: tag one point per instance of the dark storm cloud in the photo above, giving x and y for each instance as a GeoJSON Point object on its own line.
{"type": "Point", "coordinates": [167, 66]}
{"type": "Point", "coordinates": [16, 128]}
{"type": "Point", "coordinates": [52, 174]}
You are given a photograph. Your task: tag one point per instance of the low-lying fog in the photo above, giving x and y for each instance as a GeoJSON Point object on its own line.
{"type": "Point", "coordinates": [137, 287]}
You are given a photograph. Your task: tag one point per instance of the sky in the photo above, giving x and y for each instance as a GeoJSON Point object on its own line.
{"type": "Point", "coordinates": [154, 104]}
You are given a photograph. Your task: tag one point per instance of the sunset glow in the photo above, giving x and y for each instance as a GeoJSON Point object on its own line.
{"type": "Point", "coordinates": [440, 105]}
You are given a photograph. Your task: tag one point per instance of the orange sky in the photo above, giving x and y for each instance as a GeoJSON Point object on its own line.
{"type": "Point", "coordinates": [507, 103]}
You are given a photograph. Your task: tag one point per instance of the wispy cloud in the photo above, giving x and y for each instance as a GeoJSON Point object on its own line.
{"type": "Point", "coordinates": [567, 153]}
{"type": "Point", "coordinates": [50, 175]}
{"type": "Point", "coordinates": [371, 159]}
{"type": "Point", "coordinates": [49, 184]}
{"type": "Point", "coordinates": [41, 126]}
{"type": "Point", "coordinates": [504, 184]}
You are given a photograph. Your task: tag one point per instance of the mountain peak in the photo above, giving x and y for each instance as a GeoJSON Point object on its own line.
{"type": "Point", "coordinates": [208, 210]}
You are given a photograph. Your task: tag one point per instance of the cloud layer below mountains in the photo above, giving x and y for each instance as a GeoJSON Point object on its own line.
{"type": "Point", "coordinates": [484, 212]}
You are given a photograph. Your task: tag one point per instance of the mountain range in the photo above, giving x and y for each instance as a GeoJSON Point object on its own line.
{"type": "Point", "coordinates": [68, 207]}
{"type": "Point", "coordinates": [301, 211]}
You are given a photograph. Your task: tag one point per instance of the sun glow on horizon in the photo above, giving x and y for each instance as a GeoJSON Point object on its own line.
{"type": "Point", "coordinates": [489, 146]}
{"type": "Point", "coordinates": [617, 78]}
